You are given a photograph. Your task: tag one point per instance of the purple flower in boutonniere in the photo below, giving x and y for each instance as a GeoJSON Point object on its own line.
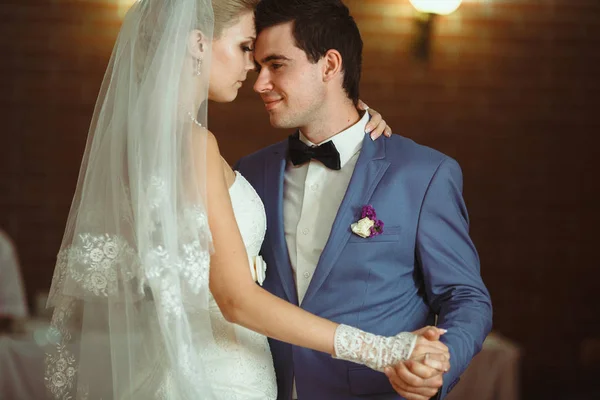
{"type": "Point", "coordinates": [368, 212]}
{"type": "Point", "coordinates": [368, 226]}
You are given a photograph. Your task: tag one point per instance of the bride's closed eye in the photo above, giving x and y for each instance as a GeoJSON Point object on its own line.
{"type": "Point", "coordinates": [247, 46]}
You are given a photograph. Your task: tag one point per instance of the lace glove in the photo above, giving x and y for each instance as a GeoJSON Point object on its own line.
{"type": "Point", "coordinates": [374, 351]}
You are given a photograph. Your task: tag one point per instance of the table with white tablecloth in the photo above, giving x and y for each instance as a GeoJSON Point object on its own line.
{"type": "Point", "coordinates": [21, 369]}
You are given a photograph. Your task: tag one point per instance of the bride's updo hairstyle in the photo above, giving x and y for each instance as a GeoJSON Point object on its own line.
{"type": "Point", "coordinates": [228, 12]}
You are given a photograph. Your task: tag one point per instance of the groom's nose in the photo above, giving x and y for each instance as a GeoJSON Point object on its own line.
{"type": "Point", "coordinates": [263, 83]}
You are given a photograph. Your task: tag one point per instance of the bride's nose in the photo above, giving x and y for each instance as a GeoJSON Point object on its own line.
{"type": "Point", "coordinates": [249, 64]}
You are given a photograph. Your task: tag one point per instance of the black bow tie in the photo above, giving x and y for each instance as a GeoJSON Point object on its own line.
{"type": "Point", "coordinates": [300, 153]}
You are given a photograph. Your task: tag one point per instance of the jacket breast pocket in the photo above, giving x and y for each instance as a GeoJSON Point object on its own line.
{"type": "Point", "coordinates": [390, 234]}
{"type": "Point", "coordinates": [364, 382]}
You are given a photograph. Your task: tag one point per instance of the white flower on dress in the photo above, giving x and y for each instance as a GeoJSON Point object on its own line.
{"type": "Point", "coordinates": [258, 268]}
{"type": "Point", "coordinates": [61, 365]}
{"type": "Point", "coordinates": [59, 379]}
{"type": "Point", "coordinates": [96, 255]}
{"type": "Point", "coordinates": [98, 281]}
{"type": "Point", "coordinates": [111, 250]}
{"type": "Point", "coordinates": [93, 261]}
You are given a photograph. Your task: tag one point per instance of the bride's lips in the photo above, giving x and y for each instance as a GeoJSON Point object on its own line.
{"type": "Point", "coordinates": [271, 104]}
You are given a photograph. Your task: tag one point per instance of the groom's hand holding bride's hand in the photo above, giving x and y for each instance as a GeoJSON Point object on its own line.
{"type": "Point", "coordinates": [428, 342]}
{"type": "Point", "coordinates": [420, 378]}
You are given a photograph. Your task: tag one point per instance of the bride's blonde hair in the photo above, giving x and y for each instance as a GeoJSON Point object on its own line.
{"type": "Point", "coordinates": [228, 12]}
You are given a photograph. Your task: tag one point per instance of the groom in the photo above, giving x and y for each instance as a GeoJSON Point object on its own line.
{"type": "Point", "coordinates": [422, 264]}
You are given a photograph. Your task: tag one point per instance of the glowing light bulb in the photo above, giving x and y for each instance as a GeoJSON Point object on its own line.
{"type": "Point", "coordinates": [440, 7]}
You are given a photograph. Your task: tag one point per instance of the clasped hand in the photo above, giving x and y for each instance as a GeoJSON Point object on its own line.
{"type": "Point", "coordinates": [420, 377]}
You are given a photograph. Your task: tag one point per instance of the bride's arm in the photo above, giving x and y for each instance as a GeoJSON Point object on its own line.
{"type": "Point", "coordinates": [243, 302]}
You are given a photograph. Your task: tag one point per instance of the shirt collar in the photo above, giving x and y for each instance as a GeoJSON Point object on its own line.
{"type": "Point", "coordinates": [347, 142]}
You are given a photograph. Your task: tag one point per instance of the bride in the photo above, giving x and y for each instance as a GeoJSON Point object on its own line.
{"type": "Point", "coordinates": [157, 212]}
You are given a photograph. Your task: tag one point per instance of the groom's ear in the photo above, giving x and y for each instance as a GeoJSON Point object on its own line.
{"type": "Point", "coordinates": [332, 65]}
{"type": "Point", "coordinates": [197, 44]}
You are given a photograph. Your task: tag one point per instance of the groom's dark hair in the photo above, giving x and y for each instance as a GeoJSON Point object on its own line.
{"type": "Point", "coordinates": [319, 26]}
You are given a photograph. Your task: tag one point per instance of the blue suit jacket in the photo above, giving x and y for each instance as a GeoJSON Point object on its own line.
{"type": "Point", "coordinates": [424, 264]}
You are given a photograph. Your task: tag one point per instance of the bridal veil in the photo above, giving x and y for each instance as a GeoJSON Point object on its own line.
{"type": "Point", "coordinates": [133, 266]}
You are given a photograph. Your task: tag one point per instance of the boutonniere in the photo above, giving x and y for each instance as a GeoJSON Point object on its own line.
{"type": "Point", "coordinates": [368, 225]}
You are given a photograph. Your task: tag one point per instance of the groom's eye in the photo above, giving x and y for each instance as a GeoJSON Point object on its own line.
{"type": "Point", "coordinates": [276, 66]}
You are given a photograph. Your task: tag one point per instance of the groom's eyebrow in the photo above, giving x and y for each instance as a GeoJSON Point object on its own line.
{"type": "Point", "coordinates": [274, 57]}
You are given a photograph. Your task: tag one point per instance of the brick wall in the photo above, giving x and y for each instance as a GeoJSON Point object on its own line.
{"type": "Point", "coordinates": [510, 90]}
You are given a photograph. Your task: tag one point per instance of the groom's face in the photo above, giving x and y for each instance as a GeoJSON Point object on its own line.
{"type": "Point", "coordinates": [290, 85]}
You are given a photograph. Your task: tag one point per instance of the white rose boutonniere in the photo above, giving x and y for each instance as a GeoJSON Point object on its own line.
{"type": "Point", "coordinates": [368, 226]}
{"type": "Point", "coordinates": [363, 227]}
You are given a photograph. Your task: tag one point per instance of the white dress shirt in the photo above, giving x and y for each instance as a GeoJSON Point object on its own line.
{"type": "Point", "coordinates": [312, 195]}
{"type": "Point", "coordinates": [12, 293]}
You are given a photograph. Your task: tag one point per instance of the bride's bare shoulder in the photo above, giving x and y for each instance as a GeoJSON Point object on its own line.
{"type": "Point", "coordinates": [205, 141]}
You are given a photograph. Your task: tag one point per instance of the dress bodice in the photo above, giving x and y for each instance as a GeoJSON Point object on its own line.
{"type": "Point", "coordinates": [240, 363]}
{"type": "Point", "coordinates": [249, 213]}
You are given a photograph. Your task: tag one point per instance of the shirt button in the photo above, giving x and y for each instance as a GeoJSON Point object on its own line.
{"type": "Point", "coordinates": [314, 187]}
{"type": "Point", "coordinates": [305, 231]}
{"type": "Point", "coordinates": [307, 275]}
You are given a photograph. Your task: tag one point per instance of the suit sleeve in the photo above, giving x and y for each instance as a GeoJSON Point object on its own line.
{"type": "Point", "coordinates": [238, 165]}
{"type": "Point", "coordinates": [451, 271]}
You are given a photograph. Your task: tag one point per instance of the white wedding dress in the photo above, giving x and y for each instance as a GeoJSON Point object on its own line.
{"type": "Point", "coordinates": [240, 364]}
{"type": "Point", "coordinates": [237, 363]}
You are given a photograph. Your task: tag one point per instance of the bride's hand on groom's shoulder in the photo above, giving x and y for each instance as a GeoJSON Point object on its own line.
{"type": "Point", "coordinates": [377, 125]}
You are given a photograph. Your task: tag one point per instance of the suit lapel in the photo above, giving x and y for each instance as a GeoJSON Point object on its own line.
{"type": "Point", "coordinates": [274, 173]}
{"type": "Point", "coordinates": [369, 170]}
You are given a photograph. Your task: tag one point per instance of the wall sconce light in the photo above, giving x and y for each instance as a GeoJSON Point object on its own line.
{"type": "Point", "coordinates": [427, 12]}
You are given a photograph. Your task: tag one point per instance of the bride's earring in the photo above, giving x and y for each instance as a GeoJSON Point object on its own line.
{"type": "Point", "coordinates": [198, 66]}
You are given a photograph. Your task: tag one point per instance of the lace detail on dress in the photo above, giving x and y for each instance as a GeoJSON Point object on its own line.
{"type": "Point", "coordinates": [96, 263]}
{"type": "Point", "coordinates": [193, 266]}
{"type": "Point", "coordinates": [240, 352]}
{"type": "Point", "coordinates": [249, 213]}
{"type": "Point", "coordinates": [376, 352]}
{"type": "Point", "coordinates": [92, 263]}
{"type": "Point", "coordinates": [61, 363]}
{"type": "Point", "coordinates": [95, 266]}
